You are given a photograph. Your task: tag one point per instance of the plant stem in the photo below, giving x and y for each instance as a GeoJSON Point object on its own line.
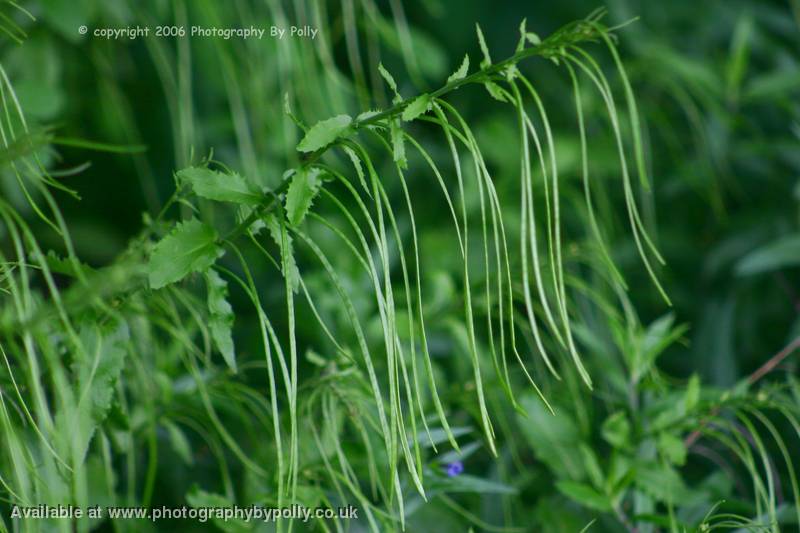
{"type": "Point", "coordinates": [760, 372]}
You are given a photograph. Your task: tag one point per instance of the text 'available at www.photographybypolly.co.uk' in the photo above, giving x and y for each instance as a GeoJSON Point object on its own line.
{"type": "Point", "coordinates": [251, 513]}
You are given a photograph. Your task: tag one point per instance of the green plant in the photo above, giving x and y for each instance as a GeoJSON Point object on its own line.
{"type": "Point", "coordinates": [345, 297]}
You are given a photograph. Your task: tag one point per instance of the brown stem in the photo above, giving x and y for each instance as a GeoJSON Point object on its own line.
{"type": "Point", "coordinates": [760, 372]}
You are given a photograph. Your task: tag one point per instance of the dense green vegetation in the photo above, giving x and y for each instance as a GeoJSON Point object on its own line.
{"type": "Point", "coordinates": [457, 265]}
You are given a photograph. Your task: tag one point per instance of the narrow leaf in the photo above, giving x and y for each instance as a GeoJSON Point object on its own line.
{"type": "Point", "coordinates": [302, 190]}
{"type": "Point", "coordinates": [487, 60]}
{"type": "Point", "coordinates": [398, 143]}
{"type": "Point", "coordinates": [390, 82]}
{"type": "Point", "coordinates": [584, 495]}
{"type": "Point", "coordinates": [781, 253]}
{"type": "Point", "coordinates": [287, 252]}
{"type": "Point", "coordinates": [220, 316]}
{"type": "Point", "coordinates": [461, 73]}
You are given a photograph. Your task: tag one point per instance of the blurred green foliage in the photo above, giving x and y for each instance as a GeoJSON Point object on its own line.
{"type": "Point", "coordinates": [298, 368]}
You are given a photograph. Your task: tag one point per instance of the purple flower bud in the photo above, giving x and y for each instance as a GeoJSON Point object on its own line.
{"type": "Point", "coordinates": [455, 468]}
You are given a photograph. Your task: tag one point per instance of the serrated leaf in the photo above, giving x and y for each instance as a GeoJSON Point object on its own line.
{"type": "Point", "coordinates": [461, 73]}
{"type": "Point", "coordinates": [584, 495]}
{"type": "Point", "coordinates": [495, 91]}
{"type": "Point", "coordinates": [190, 247]}
{"type": "Point", "coordinates": [220, 316]}
{"type": "Point", "coordinates": [221, 187]}
{"type": "Point", "coordinates": [287, 252]}
{"type": "Point", "coordinates": [325, 132]}
{"type": "Point", "coordinates": [522, 31]}
{"type": "Point", "coordinates": [487, 59]}
{"type": "Point", "coordinates": [302, 191]}
{"type": "Point", "coordinates": [357, 165]}
{"type": "Point", "coordinates": [390, 82]}
{"type": "Point", "coordinates": [417, 107]}
{"type": "Point", "coordinates": [367, 115]}
{"type": "Point", "coordinates": [398, 143]}
{"type": "Point", "coordinates": [64, 265]}
{"type": "Point", "coordinates": [97, 368]}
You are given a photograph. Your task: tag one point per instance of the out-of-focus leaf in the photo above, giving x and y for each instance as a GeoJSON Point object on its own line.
{"type": "Point", "coordinates": [772, 85]}
{"type": "Point", "coordinates": [663, 483]}
{"type": "Point", "coordinates": [584, 495]}
{"type": "Point", "coordinates": [781, 253]}
{"type": "Point", "coordinates": [199, 498]}
{"type": "Point", "coordinates": [180, 444]}
{"type": "Point", "coordinates": [465, 483]}
{"type": "Point", "coordinates": [220, 316]}
{"type": "Point", "coordinates": [554, 439]}
{"type": "Point", "coordinates": [617, 430]}
{"type": "Point", "coordinates": [672, 448]}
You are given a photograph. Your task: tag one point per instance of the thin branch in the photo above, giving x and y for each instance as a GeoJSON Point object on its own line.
{"type": "Point", "coordinates": [762, 371]}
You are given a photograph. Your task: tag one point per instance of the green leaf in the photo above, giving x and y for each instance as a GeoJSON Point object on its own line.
{"type": "Point", "coordinates": [325, 132]}
{"type": "Point", "coordinates": [100, 365]}
{"type": "Point", "coordinates": [781, 253]}
{"type": "Point", "coordinates": [221, 187]}
{"type": "Point", "coordinates": [521, 42]}
{"type": "Point", "coordinates": [554, 439]}
{"type": "Point", "coordinates": [417, 107]}
{"type": "Point", "coordinates": [663, 483]}
{"type": "Point", "coordinates": [532, 38]}
{"type": "Point", "coordinates": [357, 165]}
{"type": "Point", "coordinates": [465, 483]}
{"type": "Point", "coordinates": [591, 465]}
{"type": "Point", "coordinates": [584, 495]}
{"type": "Point", "coordinates": [616, 430]}
{"type": "Point", "coordinates": [390, 82]}
{"type": "Point", "coordinates": [398, 143]}
{"type": "Point", "coordinates": [190, 247]}
{"type": "Point", "coordinates": [64, 265]}
{"type": "Point", "coordinates": [461, 73]}
{"type": "Point", "coordinates": [198, 498]}
{"type": "Point", "coordinates": [287, 252]}
{"type": "Point", "coordinates": [494, 91]}
{"type": "Point", "coordinates": [692, 393]}
{"type": "Point", "coordinates": [97, 368]}
{"type": "Point", "coordinates": [180, 444]}
{"type": "Point", "coordinates": [220, 316]}
{"type": "Point", "coordinates": [302, 191]}
{"type": "Point", "coordinates": [672, 448]}
{"type": "Point", "coordinates": [487, 59]}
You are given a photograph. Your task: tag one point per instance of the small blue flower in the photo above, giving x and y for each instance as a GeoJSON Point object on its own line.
{"type": "Point", "coordinates": [454, 468]}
